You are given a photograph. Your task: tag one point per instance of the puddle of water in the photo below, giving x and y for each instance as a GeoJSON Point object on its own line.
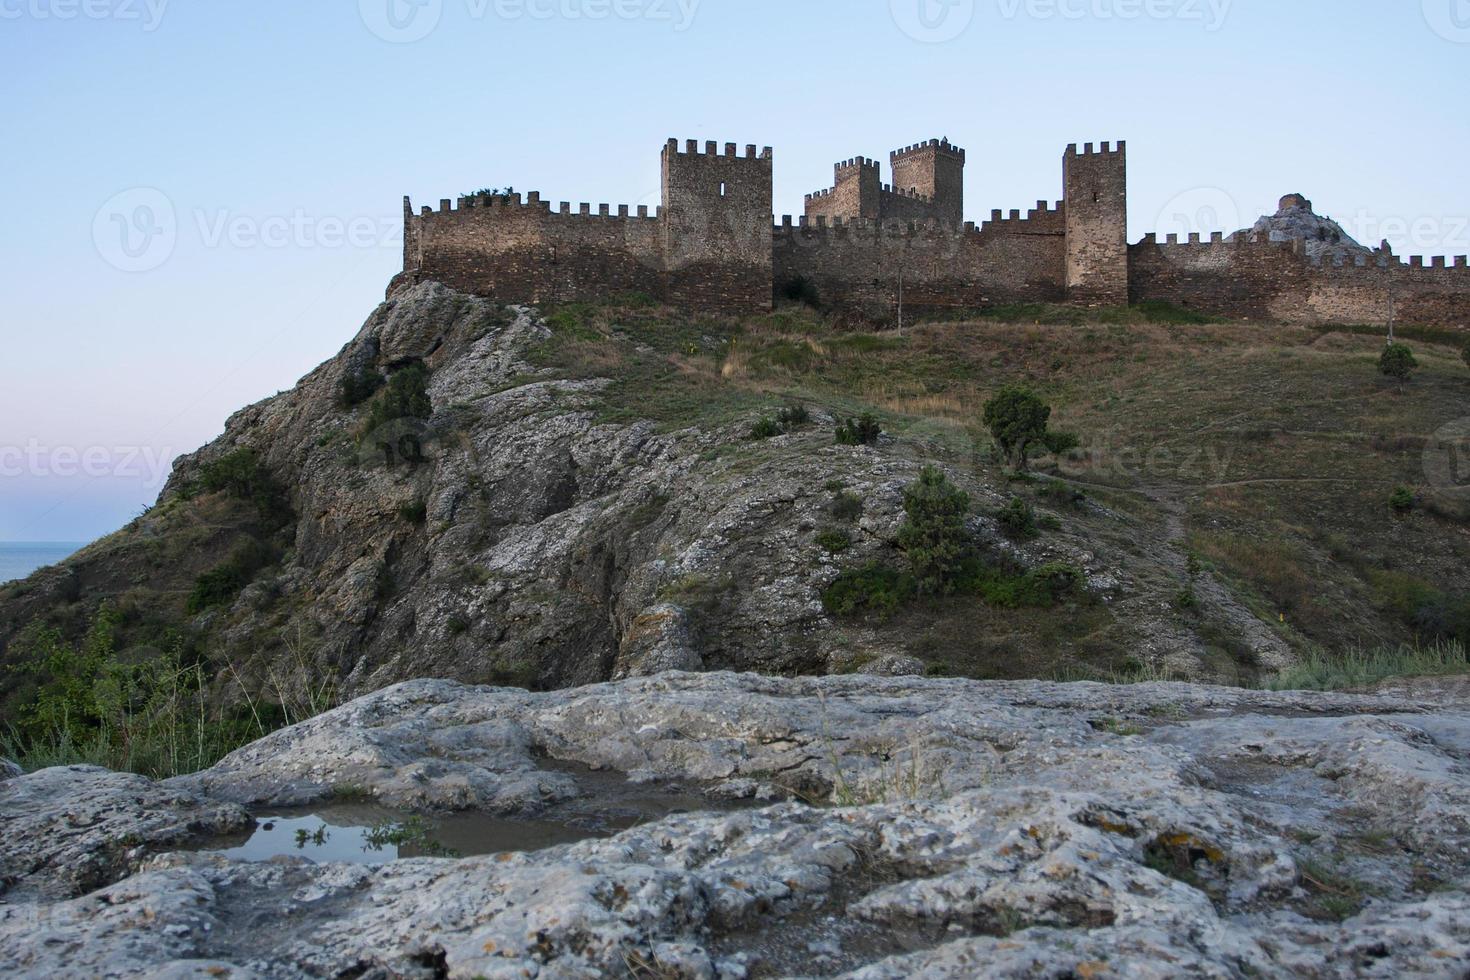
{"type": "Point", "coordinates": [365, 834]}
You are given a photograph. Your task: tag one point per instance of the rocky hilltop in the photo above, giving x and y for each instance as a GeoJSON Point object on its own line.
{"type": "Point", "coordinates": [892, 828]}
{"type": "Point", "coordinates": [547, 498]}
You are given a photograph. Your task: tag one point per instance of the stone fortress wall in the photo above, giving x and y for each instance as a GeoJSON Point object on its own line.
{"type": "Point", "coordinates": [713, 245]}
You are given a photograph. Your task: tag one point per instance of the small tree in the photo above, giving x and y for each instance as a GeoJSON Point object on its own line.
{"type": "Point", "coordinates": [1398, 363]}
{"type": "Point", "coordinates": [934, 538]}
{"type": "Point", "coordinates": [1017, 419]}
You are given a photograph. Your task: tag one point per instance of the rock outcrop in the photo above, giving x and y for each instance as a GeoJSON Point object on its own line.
{"type": "Point", "coordinates": [520, 535]}
{"type": "Point", "coordinates": [1295, 220]}
{"type": "Point", "coordinates": [933, 828]}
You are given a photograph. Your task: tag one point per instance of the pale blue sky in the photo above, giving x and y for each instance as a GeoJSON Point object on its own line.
{"type": "Point", "coordinates": [282, 135]}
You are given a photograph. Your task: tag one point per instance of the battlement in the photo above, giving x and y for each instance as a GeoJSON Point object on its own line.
{"type": "Point", "coordinates": [941, 146]}
{"type": "Point", "coordinates": [712, 149]}
{"type": "Point", "coordinates": [713, 245]}
{"type": "Point", "coordinates": [1106, 149]}
{"type": "Point", "coordinates": [912, 195]}
{"type": "Point", "coordinates": [480, 204]}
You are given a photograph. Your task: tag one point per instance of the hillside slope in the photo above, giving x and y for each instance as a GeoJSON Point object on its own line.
{"type": "Point", "coordinates": [582, 498]}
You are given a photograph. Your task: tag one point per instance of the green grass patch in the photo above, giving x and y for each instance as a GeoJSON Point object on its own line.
{"type": "Point", "coordinates": [1360, 668]}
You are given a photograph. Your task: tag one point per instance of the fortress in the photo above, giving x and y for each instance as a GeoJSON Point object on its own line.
{"type": "Point", "coordinates": [865, 246]}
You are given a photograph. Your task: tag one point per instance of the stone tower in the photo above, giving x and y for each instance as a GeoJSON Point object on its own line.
{"type": "Point", "coordinates": [1095, 183]}
{"type": "Point", "coordinates": [717, 215]}
{"type": "Point", "coordinates": [936, 170]}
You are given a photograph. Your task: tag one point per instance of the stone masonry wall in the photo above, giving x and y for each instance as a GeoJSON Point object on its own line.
{"type": "Point", "coordinates": [1095, 187]}
{"type": "Point", "coordinates": [1276, 281]}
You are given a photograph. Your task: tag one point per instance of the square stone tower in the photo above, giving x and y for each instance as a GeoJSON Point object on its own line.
{"type": "Point", "coordinates": [936, 170]}
{"type": "Point", "coordinates": [717, 217]}
{"type": "Point", "coordinates": [1096, 187]}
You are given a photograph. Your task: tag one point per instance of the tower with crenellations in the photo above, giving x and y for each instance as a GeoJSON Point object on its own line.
{"type": "Point", "coordinates": [871, 249]}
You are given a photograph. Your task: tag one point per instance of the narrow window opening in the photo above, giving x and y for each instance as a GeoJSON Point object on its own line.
{"type": "Point", "coordinates": [724, 189]}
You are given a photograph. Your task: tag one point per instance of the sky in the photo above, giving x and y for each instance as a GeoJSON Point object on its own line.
{"type": "Point", "coordinates": [202, 199]}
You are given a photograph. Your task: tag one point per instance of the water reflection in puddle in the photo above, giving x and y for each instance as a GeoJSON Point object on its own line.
{"type": "Point", "coordinates": [365, 834]}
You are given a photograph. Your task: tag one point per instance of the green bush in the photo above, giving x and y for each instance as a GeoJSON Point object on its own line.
{"type": "Point", "coordinates": [766, 428]}
{"type": "Point", "coordinates": [833, 540]}
{"type": "Point", "coordinates": [1397, 363]}
{"type": "Point", "coordinates": [241, 474]}
{"type": "Point", "coordinates": [414, 513]}
{"type": "Point", "coordinates": [1041, 587]}
{"type": "Point", "coordinates": [934, 538]}
{"type": "Point", "coordinates": [875, 588]}
{"type": "Point", "coordinates": [1401, 500]}
{"type": "Point", "coordinates": [1187, 599]}
{"type": "Point", "coordinates": [1018, 518]}
{"type": "Point", "coordinates": [1017, 419]}
{"type": "Point", "coordinates": [861, 431]}
{"type": "Point", "coordinates": [793, 417]}
{"type": "Point", "coordinates": [406, 396]}
{"type": "Point", "coordinates": [92, 706]}
{"type": "Point", "coordinates": [846, 506]}
{"type": "Point", "coordinates": [220, 585]}
{"type": "Point", "coordinates": [358, 386]}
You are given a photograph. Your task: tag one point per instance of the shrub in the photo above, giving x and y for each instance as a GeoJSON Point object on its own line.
{"type": "Point", "coordinates": [875, 588]}
{"type": "Point", "coordinates": [1059, 492]}
{"type": "Point", "coordinates": [1009, 588]}
{"type": "Point", "coordinates": [1397, 363]}
{"type": "Point", "coordinates": [149, 715]}
{"type": "Point", "coordinates": [241, 474]}
{"type": "Point", "coordinates": [793, 417]}
{"type": "Point", "coordinates": [406, 396]}
{"type": "Point", "coordinates": [1017, 419]}
{"type": "Point", "coordinates": [358, 386]}
{"type": "Point", "coordinates": [833, 540]}
{"type": "Point", "coordinates": [934, 537]}
{"type": "Point", "coordinates": [789, 418]}
{"type": "Point", "coordinates": [414, 513]}
{"type": "Point", "coordinates": [766, 428]}
{"type": "Point", "coordinates": [1017, 518]}
{"type": "Point", "coordinates": [457, 625]}
{"type": "Point", "coordinates": [1186, 599]}
{"type": "Point", "coordinates": [846, 506]}
{"type": "Point", "coordinates": [1401, 500]}
{"type": "Point", "coordinates": [861, 431]}
{"type": "Point", "coordinates": [220, 585]}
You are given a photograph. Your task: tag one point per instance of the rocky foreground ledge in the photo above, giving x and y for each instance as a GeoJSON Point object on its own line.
{"type": "Point", "coordinates": [900, 827]}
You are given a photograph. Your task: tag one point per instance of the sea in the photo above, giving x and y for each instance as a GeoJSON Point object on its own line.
{"type": "Point", "coordinates": [19, 558]}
